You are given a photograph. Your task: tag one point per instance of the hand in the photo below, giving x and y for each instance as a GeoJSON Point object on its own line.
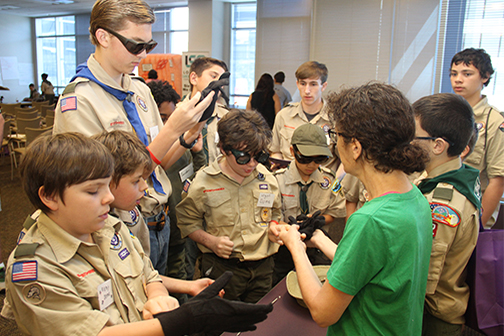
{"type": "Point", "coordinates": [207, 312]}
{"type": "Point", "coordinates": [222, 246]}
{"type": "Point", "coordinates": [199, 144]}
{"type": "Point", "coordinates": [196, 286]}
{"type": "Point", "coordinates": [317, 236]}
{"type": "Point", "coordinates": [291, 236]}
{"type": "Point", "coordinates": [187, 115]}
{"type": "Point", "coordinates": [310, 223]}
{"type": "Point", "coordinates": [158, 305]}
{"type": "Point", "coordinates": [274, 231]}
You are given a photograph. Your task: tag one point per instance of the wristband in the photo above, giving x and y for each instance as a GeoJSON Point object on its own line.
{"type": "Point", "coordinates": [185, 144]}
{"type": "Point", "coordinates": [153, 157]}
{"type": "Point", "coordinates": [274, 221]}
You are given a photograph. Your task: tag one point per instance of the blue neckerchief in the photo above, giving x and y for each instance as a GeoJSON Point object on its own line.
{"type": "Point", "coordinates": [131, 111]}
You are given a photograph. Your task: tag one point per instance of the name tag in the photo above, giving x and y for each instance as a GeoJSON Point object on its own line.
{"type": "Point", "coordinates": [265, 200]}
{"type": "Point", "coordinates": [186, 172]}
{"type": "Point", "coordinates": [154, 131]}
{"type": "Point", "coordinates": [105, 295]}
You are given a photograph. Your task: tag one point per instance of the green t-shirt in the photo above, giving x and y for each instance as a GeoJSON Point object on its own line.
{"type": "Point", "coordinates": [383, 261]}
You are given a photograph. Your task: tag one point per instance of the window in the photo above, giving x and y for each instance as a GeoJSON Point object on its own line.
{"type": "Point", "coordinates": [171, 30]}
{"type": "Point", "coordinates": [243, 39]}
{"type": "Point", "coordinates": [56, 49]}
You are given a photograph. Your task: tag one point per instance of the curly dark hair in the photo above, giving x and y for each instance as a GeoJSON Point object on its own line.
{"type": "Point", "coordinates": [381, 119]}
{"type": "Point", "coordinates": [163, 91]}
{"type": "Point", "coordinates": [478, 58]}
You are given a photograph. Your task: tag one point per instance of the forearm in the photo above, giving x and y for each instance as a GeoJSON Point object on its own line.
{"type": "Point", "coordinates": [156, 288]}
{"type": "Point", "coordinates": [491, 198]}
{"type": "Point", "coordinates": [176, 285]}
{"type": "Point", "coordinates": [177, 150]}
{"type": "Point", "coordinates": [350, 209]}
{"type": "Point", "coordinates": [324, 244]}
{"type": "Point", "coordinates": [328, 219]}
{"type": "Point", "coordinates": [202, 237]}
{"type": "Point", "coordinates": [150, 327]}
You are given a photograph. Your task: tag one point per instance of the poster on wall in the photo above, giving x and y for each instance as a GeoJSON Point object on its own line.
{"type": "Point", "coordinates": [9, 67]}
{"type": "Point", "coordinates": [187, 59]}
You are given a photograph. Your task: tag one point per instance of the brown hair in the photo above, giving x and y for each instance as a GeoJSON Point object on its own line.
{"type": "Point", "coordinates": [202, 63]}
{"type": "Point", "coordinates": [381, 119]}
{"type": "Point", "coordinates": [312, 69]}
{"type": "Point", "coordinates": [244, 130]}
{"type": "Point", "coordinates": [59, 161]}
{"type": "Point", "coordinates": [128, 151]}
{"type": "Point", "coordinates": [112, 14]}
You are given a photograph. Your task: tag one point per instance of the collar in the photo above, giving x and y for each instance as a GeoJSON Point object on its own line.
{"type": "Point", "coordinates": [298, 110]}
{"type": "Point", "coordinates": [454, 164]}
{"type": "Point", "coordinates": [479, 109]}
{"type": "Point", "coordinates": [293, 176]}
{"type": "Point", "coordinates": [100, 74]}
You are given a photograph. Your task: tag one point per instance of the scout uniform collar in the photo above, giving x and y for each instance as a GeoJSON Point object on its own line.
{"type": "Point", "coordinates": [294, 177]}
{"type": "Point", "coordinates": [465, 179]}
{"type": "Point", "coordinates": [322, 114]}
{"type": "Point", "coordinates": [479, 106]}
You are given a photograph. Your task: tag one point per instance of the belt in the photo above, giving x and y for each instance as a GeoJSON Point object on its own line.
{"type": "Point", "coordinates": [235, 262]}
{"type": "Point", "coordinates": [158, 222]}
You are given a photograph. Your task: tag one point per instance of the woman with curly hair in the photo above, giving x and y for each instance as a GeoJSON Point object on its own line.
{"type": "Point", "coordinates": [376, 283]}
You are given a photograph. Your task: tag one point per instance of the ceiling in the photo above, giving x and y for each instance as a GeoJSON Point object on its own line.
{"type": "Point", "coordinates": [37, 8]}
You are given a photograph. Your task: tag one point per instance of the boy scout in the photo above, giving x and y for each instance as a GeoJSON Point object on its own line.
{"type": "Point", "coordinates": [228, 207]}
{"type": "Point", "coordinates": [471, 70]}
{"type": "Point", "coordinates": [311, 80]}
{"type": "Point", "coordinates": [444, 125]}
{"type": "Point", "coordinates": [203, 71]}
{"type": "Point", "coordinates": [307, 187]}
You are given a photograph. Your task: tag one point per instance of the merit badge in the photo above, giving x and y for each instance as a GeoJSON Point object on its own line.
{"type": "Point", "coordinates": [325, 185]}
{"type": "Point", "coordinates": [479, 126]}
{"type": "Point", "coordinates": [135, 216]}
{"type": "Point", "coordinates": [34, 293]}
{"type": "Point", "coordinates": [263, 186]}
{"type": "Point", "coordinates": [24, 271]}
{"type": "Point", "coordinates": [21, 235]}
{"type": "Point", "coordinates": [116, 241]}
{"type": "Point", "coordinates": [265, 214]}
{"type": "Point", "coordinates": [142, 104]}
{"type": "Point", "coordinates": [260, 177]}
{"type": "Point", "coordinates": [501, 127]}
{"type": "Point", "coordinates": [124, 253]}
{"type": "Point", "coordinates": [444, 214]}
{"type": "Point", "coordinates": [187, 184]}
{"type": "Point", "coordinates": [434, 230]}
{"type": "Point", "coordinates": [336, 186]}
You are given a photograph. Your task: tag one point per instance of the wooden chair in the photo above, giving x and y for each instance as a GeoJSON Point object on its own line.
{"type": "Point", "coordinates": [27, 115]}
{"type": "Point", "coordinates": [25, 109]}
{"type": "Point", "coordinates": [23, 123]}
{"type": "Point", "coordinates": [9, 109]}
{"type": "Point", "coordinates": [31, 134]}
{"type": "Point", "coordinates": [49, 121]}
{"type": "Point", "coordinates": [50, 113]}
{"type": "Point", "coordinates": [38, 104]}
{"type": "Point", "coordinates": [45, 108]}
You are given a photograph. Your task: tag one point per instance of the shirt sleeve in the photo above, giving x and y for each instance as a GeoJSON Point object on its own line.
{"type": "Point", "coordinates": [190, 212]}
{"type": "Point", "coordinates": [495, 147]}
{"type": "Point", "coordinates": [275, 141]}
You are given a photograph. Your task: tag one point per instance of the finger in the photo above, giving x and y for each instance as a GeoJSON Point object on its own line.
{"type": "Point", "coordinates": [147, 315]}
{"type": "Point", "coordinates": [217, 286]}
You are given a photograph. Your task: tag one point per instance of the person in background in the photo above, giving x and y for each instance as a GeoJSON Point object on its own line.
{"type": "Point", "coordinates": [376, 283]}
{"type": "Point", "coordinates": [264, 99]}
{"type": "Point", "coordinates": [47, 89]}
{"type": "Point", "coordinates": [444, 127]}
{"type": "Point", "coordinates": [281, 91]}
{"type": "Point", "coordinates": [152, 75]}
{"type": "Point", "coordinates": [470, 72]}
{"type": "Point", "coordinates": [166, 98]}
{"type": "Point", "coordinates": [34, 94]}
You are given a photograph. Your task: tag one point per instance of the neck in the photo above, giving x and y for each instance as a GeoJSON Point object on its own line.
{"type": "Point", "coordinates": [312, 109]}
{"type": "Point", "coordinates": [437, 161]}
{"type": "Point", "coordinates": [378, 183]}
{"type": "Point", "coordinates": [223, 164]}
{"type": "Point", "coordinates": [102, 60]}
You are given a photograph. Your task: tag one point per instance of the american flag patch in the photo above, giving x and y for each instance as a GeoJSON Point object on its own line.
{"type": "Point", "coordinates": [68, 104]}
{"type": "Point", "coordinates": [24, 271]}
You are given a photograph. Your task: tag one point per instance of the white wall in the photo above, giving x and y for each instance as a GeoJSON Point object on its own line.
{"type": "Point", "coordinates": [17, 42]}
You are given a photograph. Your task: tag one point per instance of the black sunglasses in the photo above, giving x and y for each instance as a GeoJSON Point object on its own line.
{"type": "Point", "coordinates": [133, 46]}
{"type": "Point", "coordinates": [434, 138]}
{"type": "Point", "coordinates": [309, 159]}
{"type": "Point", "coordinates": [242, 158]}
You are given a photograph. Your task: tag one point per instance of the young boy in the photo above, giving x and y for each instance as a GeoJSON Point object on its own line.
{"type": "Point", "coordinates": [471, 70]}
{"type": "Point", "coordinates": [311, 80]}
{"type": "Point", "coordinates": [444, 126]}
{"type": "Point", "coordinates": [203, 71]}
{"type": "Point", "coordinates": [306, 187]}
{"type": "Point", "coordinates": [229, 205]}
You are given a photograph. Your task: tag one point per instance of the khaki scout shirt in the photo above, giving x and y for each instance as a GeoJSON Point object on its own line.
{"type": "Point", "coordinates": [287, 120]}
{"type": "Point", "coordinates": [136, 224]}
{"type": "Point", "coordinates": [63, 297]}
{"type": "Point", "coordinates": [97, 111]}
{"type": "Point", "coordinates": [231, 209]}
{"type": "Point", "coordinates": [319, 194]}
{"type": "Point", "coordinates": [452, 246]}
{"type": "Point", "coordinates": [354, 190]}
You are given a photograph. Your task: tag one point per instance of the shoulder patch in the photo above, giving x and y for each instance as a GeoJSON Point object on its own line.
{"type": "Point", "coordinates": [443, 193]}
{"type": "Point", "coordinates": [187, 184]}
{"type": "Point", "coordinates": [68, 104]}
{"type": "Point", "coordinates": [23, 250]}
{"type": "Point", "coordinates": [336, 187]}
{"type": "Point", "coordinates": [24, 271]}
{"type": "Point", "coordinates": [444, 214]}
{"type": "Point", "coordinates": [501, 127]}
{"type": "Point", "coordinates": [34, 293]}
{"type": "Point", "coordinates": [325, 185]}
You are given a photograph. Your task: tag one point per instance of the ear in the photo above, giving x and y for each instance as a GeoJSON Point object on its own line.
{"type": "Point", "coordinates": [324, 86]}
{"type": "Point", "coordinates": [50, 201]}
{"type": "Point", "coordinates": [439, 146]}
{"type": "Point", "coordinates": [102, 37]}
{"type": "Point", "coordinates": [292, 150]}
{"type": "Point", "coordinates": [486, 78]}
{"type": "Point", "coordinates": [193, 78]}
{"type": "Point", "coordinates": [356, 149]}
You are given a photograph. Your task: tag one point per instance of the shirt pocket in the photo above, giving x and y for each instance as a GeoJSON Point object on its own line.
{"type": "Point", "coordinates": [476, 156]}
{"type": "Point", "coordinates": [262, 214]}
{"type": "Point", "coordinates": [436, 265]}
{"type": "Point", "coordinates": [219, 211]}
{"type": "Point", "coordinates": [131, 272]}
{"type": "Point", "coordinates": [286, 133]}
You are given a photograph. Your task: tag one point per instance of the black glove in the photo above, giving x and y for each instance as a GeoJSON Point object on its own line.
{"type": "Point", "coordinates": [216, 87]}
{"type": "Point", "coordinates": [308, 225]}
{"type": "Point", "coordinates": [208, 313]}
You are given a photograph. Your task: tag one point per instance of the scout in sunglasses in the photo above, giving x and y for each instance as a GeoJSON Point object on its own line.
{"type": "Point", "coordinates": [133, 46]}
{"type": "Point", "coordinates": [242, 158]}
{"type": "Point", "coordinates": [320, 159]}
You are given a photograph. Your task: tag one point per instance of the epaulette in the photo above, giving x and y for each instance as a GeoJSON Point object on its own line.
{"type": "Point", "coordinates": [138, 78]}
{"type": "Point", "coordinates": [441, 192]}
{"type": "Point", "coordinates": [280, 171]}
{"type": "Point", "coordinates": [23, 250]}
{"type": "Point", "coordinates": [70, 88]}
{"type": "Point", "coordinates": [31, 219]}
{"type": "Point", "coordinates": [327, 171]}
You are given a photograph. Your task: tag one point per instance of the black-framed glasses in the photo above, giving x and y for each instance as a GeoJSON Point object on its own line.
{"type": "Point", "coordinates": [242, 158]}
{"type": "Point", "coordinates": [133, 46]}
{"type": "Point", "coordinates": [320, 159]}
{"type": "Point", "coordinates": [434, 138]}
{"type": "Point", "coordinates": [334, 135]}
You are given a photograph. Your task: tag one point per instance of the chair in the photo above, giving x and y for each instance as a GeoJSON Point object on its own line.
{"type": "Point", "coordinates": [38, 104]}
{"type": "Point", "coordinates": [31, 134]}
{"type": "Point", "coordinates": [27, 115]}
{"type": "Point", "coordinates": [23, 123]}
{"type": "Point", "coordinates": [45, 108]}
{"type": "Point", "coordinates": [25, 109]}
{"type": "Point", "coordinates": [5, 139]}
{"type": "Point", "coordinates": [50, 113]}
{"type": "Point", "coordinates": [49, 121]}
{"type": "Point", "coordinates": [9, 109]}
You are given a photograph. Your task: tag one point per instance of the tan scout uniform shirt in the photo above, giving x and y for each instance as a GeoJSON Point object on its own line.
{"type": "Point", "coordinates": [287, 120]}
{"type": "Point", "coordinates": [319, 194]}
{"type": "Point", "coordinates": [489, 161]}
{"type": "Point", "coordinates": [231, 209]}
{"type": "Point", "coordinates": [354, 190]}
{"type": "Point", "coordinates": [63, 299]}
{"type": "Point", "coordinates": [136, 224]}
{"type": "Point", "coordinates": [452, 246]}
{"type": "Point", "coordinates": [97, 110]}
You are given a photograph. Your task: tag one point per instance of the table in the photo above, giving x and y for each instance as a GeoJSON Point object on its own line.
{"type": "Point", "coordinates": [287, 317]}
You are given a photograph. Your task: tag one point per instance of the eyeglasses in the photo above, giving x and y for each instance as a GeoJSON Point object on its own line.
{"type": "Point", "coordinates": [434, 138]}
{"type": "Point", "coordinates": [309, 159]}
{"type": "Point", "coordinates": [242, 158]}
{"type": "Point", "coordinates": [334, 135]}
{"type": "Point", "coordinates": [133, 46]}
